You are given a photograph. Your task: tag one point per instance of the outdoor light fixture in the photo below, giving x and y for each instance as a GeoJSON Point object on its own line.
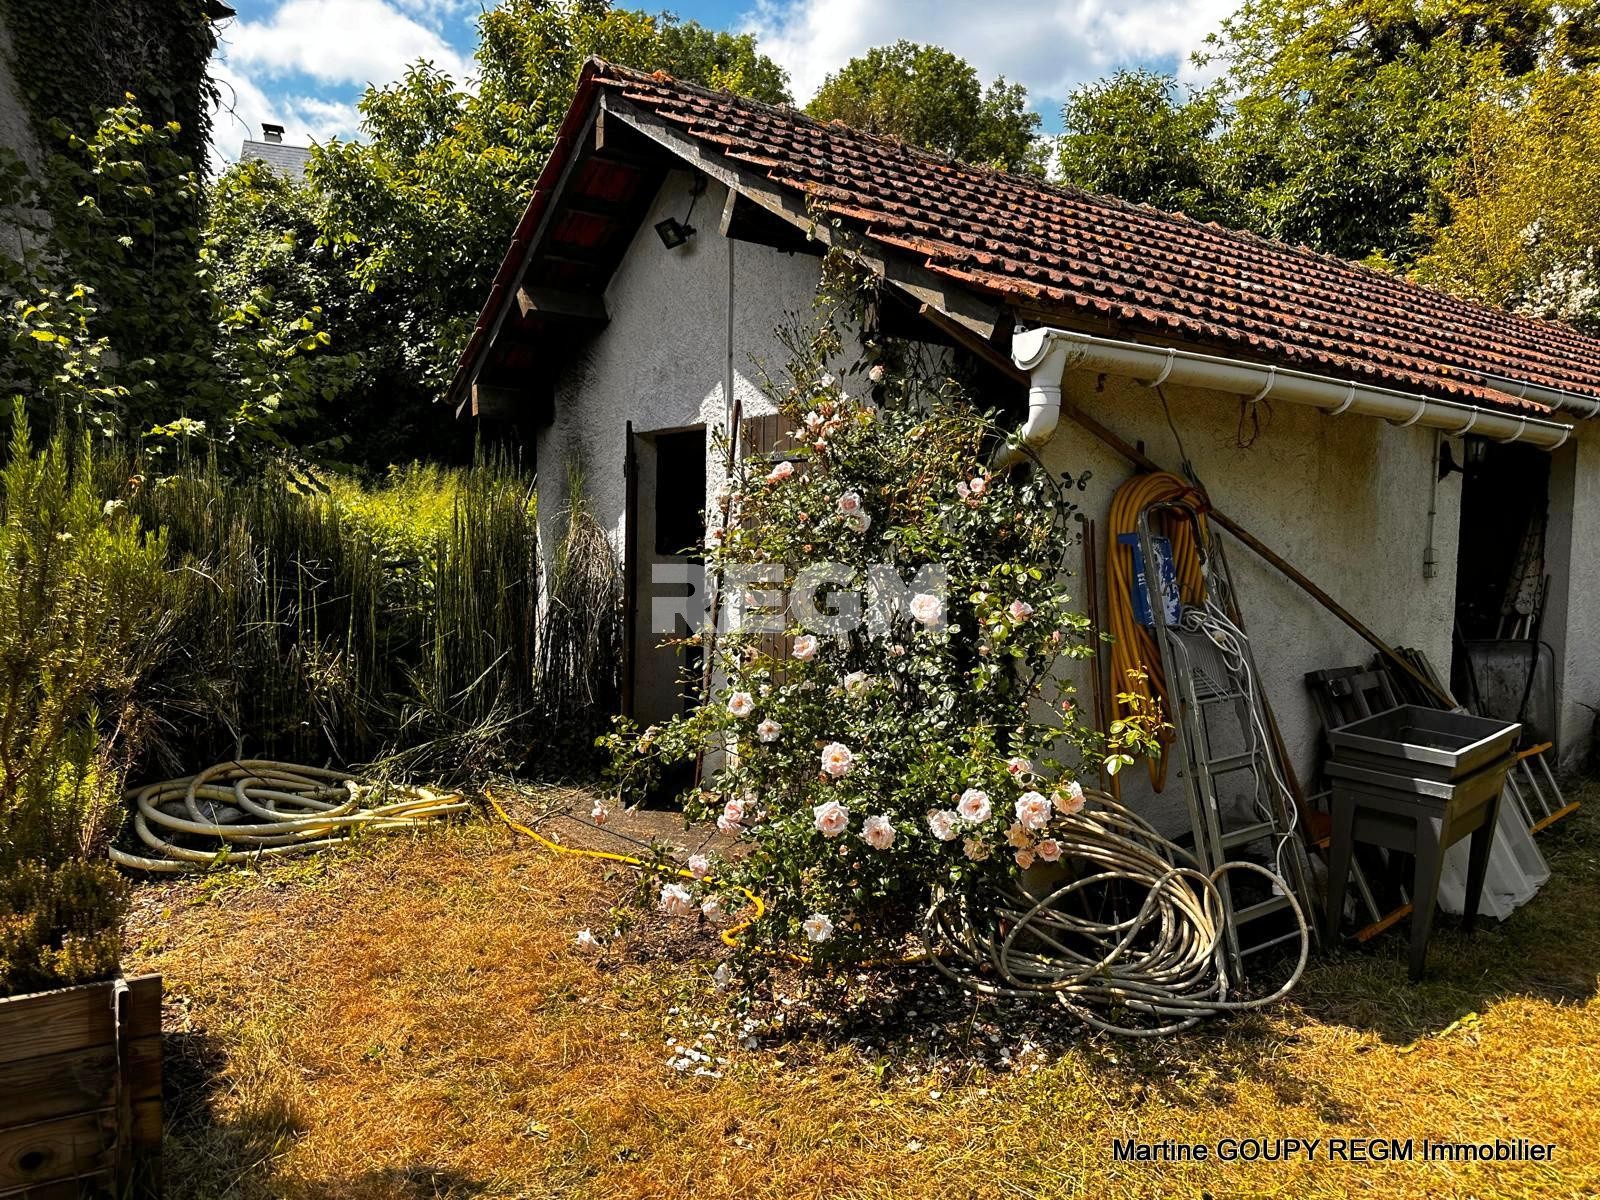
{"type": "Point", "coordinates": [674, 233]}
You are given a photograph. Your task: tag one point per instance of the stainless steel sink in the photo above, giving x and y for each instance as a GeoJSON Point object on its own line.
{"type": "Point", "coordinates": [1419, 743]}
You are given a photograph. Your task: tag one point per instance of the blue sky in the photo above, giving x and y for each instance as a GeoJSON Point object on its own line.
{"type": "Point", "coordinates": [304, 63]}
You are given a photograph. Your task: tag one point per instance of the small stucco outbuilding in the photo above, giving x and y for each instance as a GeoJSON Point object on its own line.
{"type": "Point", "coordinates": [1414, 455]}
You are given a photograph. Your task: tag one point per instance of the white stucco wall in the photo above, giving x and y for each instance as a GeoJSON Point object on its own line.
{"type": "Point", "coordinates": [1572, 618]}
{"type": "Point", "coordinates": [662, 362]}
{"type": "Point", "coordinates": [16, 135]}
{"type": "Point", "coordinates": [1343, 499]}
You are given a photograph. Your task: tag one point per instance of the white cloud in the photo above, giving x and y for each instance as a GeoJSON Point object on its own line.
{"type": "Point", "coordinates": [243, 105]}
{"type": "Point", "coordinates": [338, 41]}
{"type": "Point", "coordinates": [1050, 46]}
{"type": "Point", "coordinates": [269, 69]}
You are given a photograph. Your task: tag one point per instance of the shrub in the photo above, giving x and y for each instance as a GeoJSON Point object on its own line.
{"type": "Point", "coordinates": [85, 606]}
{"type": "Point", "coordinates": [871, 768]}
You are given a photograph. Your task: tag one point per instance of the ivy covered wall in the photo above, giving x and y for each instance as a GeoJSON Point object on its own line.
{"type": "Point", "coordinates": [73, 59]}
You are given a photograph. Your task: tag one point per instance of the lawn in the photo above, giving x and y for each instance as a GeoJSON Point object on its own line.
{"type": "Point", "coordinates": [413, 1019]}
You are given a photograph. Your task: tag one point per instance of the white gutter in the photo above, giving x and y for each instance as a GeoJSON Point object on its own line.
{"type": "Point", "coordinates": [1046, 353]}
{"type": "Point", "coordinates": [1584, 406]}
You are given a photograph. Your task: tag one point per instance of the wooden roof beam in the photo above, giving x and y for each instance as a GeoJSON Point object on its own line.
{"type": "Point", "coordinates": [570, 306]}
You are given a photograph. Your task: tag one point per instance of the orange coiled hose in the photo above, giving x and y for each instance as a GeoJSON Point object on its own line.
{"type": "Point", "coordinates": [1133, 648]}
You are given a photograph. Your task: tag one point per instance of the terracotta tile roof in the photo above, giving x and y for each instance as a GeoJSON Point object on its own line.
{"type": "Point", "coordinates": [1065, 253]}
{"type": "Point", "coordinates": [1053, 247]}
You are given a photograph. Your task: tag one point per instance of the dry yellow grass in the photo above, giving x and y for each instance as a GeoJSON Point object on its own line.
{"type": "Point", "coordinates": [412, 1020]}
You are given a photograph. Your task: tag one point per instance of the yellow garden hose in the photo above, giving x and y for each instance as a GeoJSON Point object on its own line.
{"type": "Point", "coordinates": [730, 935]}
{"type": "Point", "coordinates": [1133, 649]}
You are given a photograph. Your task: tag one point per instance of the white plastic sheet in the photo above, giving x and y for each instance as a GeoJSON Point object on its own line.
{"type": "Point", "coordinates": [1516, 868]}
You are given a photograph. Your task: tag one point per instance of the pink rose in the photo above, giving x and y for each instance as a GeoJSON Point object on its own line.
{"type": "Point", "coordinates": [1033, 810]}
{"type": "Point", "coordinates": [942, 824]}
{"type": "Point", "coordinates": [1048, 849]}
{"type": "Point", "coordinates": [974, 806]}
{"type": "Point", "coordinates": [780, 472]}
{"type": "Point", "coordinates": [1069, 800]}
{"type": "Point", "coordinates": [832, 818]}
{"type": "Point", "coordinates": [927, 609]}
{"type": "Point", "coordinates": [837, 760]}
{"type": "Point", "coordinates": [676, 901]}
{"type": "Point", "coordinates": [878, 832]}
{"type": "Point", "coordinates": [1020, 611]}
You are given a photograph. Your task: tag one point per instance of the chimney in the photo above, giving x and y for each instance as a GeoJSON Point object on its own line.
{"type": "Point", "coordinates": [271, 133]}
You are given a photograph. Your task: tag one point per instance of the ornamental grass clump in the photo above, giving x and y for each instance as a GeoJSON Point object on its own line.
{"type": "Point", "coordinates": [901, 727]}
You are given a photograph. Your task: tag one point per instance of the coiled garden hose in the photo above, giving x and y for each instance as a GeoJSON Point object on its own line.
{"type": "Point", "coordinates": [1162, 963]}
{"type": "Point", "coordinates": [258, 808]}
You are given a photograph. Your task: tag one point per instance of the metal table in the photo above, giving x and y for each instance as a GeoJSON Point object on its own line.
{"type": "Point", "coordinates": [1423, 818]}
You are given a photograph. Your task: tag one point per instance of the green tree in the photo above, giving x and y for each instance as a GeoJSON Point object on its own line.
{"type": "Point", "coordinates": [409, 221]}
{"type": "Point", "coordinates": [729, 61]}
{"type": "Point", "coordinates": [110, 317]}
{"type": "Point", "coordinates": [1347, 114]}
{"type": "Point", "coordinates": [1524, 229]}
{"type": "Point", "coordinates": [931, 98]}
{"type": "Point", "coordinates": [1135, 135]}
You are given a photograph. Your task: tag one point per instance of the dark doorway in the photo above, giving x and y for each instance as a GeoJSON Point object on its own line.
{"type": "Point", "coordinates": [665, 529]}
{"type": "Point", "coordinates": [1501, 667]}
{"type": "Point", "coordinates": [1505, 495]}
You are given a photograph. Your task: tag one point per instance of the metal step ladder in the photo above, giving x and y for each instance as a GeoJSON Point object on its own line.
{"type": "Point", "coordinates": [1233, 777]}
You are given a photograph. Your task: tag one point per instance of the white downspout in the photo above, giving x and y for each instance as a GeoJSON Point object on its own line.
{"type": "Point", "coordinates": [1046, 359]}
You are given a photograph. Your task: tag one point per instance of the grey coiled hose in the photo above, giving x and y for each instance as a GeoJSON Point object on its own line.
{"type": "Point", "coordinates": [1162, 965]}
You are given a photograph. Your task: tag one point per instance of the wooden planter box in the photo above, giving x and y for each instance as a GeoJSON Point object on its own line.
{"type": "Point", "coordinates": [80, 1091]}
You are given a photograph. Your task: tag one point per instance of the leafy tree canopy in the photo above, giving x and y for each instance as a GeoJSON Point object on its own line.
{"type": "Point", "coordinates": [404, 226]}
{"type": "Point", "coordinates": [932, 98]}
{"type": "Point", "coordinates": [1524, 228]}
{"type": "Point", "coordinates": [1346, 114]}
{"type": "Point", "coordinates": [1138, 136]}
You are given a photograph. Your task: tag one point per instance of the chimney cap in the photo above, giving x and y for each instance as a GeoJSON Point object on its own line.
{"type": "Point", "coordinates": [271, 132]}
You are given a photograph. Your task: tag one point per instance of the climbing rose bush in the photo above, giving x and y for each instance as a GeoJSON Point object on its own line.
{"type": "Point", "coordinates": [932, 747]}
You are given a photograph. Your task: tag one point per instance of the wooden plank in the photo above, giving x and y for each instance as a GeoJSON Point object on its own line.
{"type": "Point", "coordinates": [1371, 931]}
{"type": "Point", "coordinates": [141, 1016]}
{"type": "Point", "coordinates": [52, 1022]}
{"type": "Point", "coordinates": [52, 1150]}
{"type": "Point", "coordinates": [59, 1085]}
{"type": "Point", "coordinates": [495, 403]}
{"type": "Point", "coordinates": [102, 1184]}
{"type": "Point", "coordinates": [145, 1130]}
{"type": "Point", "coordinates": [141, 1068]}
{"type": "Point", "coordinates": [1542, 825]}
